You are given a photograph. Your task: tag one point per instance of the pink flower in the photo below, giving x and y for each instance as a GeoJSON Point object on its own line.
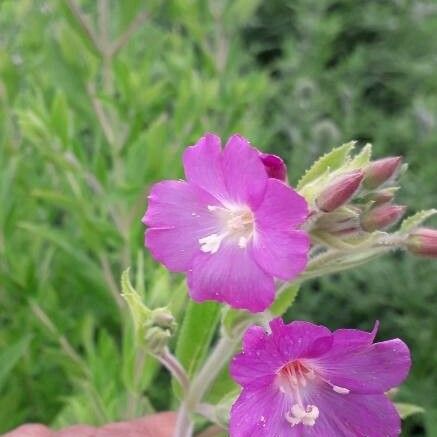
{"type": "Point", "coordinates": [302, 380]}
{"type": "Point", "coordinates": [229, 226]}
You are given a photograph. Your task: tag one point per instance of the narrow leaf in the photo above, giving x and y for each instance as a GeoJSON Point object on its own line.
{"type": "Point", "coordinates": [197, 330]}
{"type": "Point", "coordinates": [10, 356]}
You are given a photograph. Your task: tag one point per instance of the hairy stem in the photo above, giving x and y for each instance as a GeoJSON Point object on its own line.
{"type": "Point", "coordinates": [170, 362]}
{"type": "Point", "coordinates": [184, 423]}
{"type": "Point", "coordinates": [202, 382]}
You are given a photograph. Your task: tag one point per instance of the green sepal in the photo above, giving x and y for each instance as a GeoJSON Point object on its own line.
{"type": "Point", "coordinates": [414, 221]}
{"type": "Point", "coordinates": [285, 300]}
{"type": "Point", "coordinates": [332, 160]}
{"type": "Point", "coordinates": [406, 410]}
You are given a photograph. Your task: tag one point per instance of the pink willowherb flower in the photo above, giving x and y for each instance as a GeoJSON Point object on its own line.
{"type": "Point", "coordinates": [229, 226]}
{"type": "Point", "coordinates": [302, 380]}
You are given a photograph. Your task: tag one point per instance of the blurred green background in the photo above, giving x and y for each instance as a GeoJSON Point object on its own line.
{"type": "Point", "coordinates": [97, 104]}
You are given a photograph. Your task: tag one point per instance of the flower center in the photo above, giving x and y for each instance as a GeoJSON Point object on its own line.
{"type": "Point", "coordinates": [236, 224]}
{"type": "Point", "coordinates": [295, 379]}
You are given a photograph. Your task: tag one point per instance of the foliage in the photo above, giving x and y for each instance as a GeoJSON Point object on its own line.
{"type": "Point", "coordinates": [90, 117]}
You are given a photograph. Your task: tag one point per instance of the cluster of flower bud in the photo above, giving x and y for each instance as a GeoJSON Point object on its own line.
{"type": "Point", "coordinates": [360, 200]}
{"type": "Point", "coordinates": [153, 327]}
{"type": "Point", "coordinates": [158, 329]}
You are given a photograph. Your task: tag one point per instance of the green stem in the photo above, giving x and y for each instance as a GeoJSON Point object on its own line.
{"type": "Point", "coordinates": [220, 355]}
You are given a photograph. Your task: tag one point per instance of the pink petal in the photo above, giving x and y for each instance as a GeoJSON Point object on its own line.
{"type": "Point", "coordinates": [370, 369]}
{"type": "Point", "coordinates": [260, 413]}
{"type": "Point", "coordinates": [231, 276]}
{"type": "Point", "coordinates": [171, 202]}
{"type": "Point", "coordinates": [350, 339]}
{"type": "Point", "coordinates": [299, 339]}
{"type": "Point", "coordinates": [253, 337]}
{"type": "Point", "coordinates": [283, 254]}
{"type": "Point", "coordinates": [274, 165]}
{"type": "Point", "coordinates": [244, 173]}
{"type": "Point", "coordinates": [351, 415]}
{"type": "Point", "coordinates": [281, 208]}
{"type": "Point", "coordinates": [179, 216]}
{"type": "Point", "coordinates": [203, 165]}
{"type": "Point", "coordinates": [257, 363]}
{"type": "Point", "coordinates": [265, 354]}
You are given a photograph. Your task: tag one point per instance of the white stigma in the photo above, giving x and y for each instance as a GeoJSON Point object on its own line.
{"type": "Point", "coordinates": [340, 390]}
{"type": "Point", "coordinates": [211, 243]}
{"type": "Point", "coordinates": [236, 225]}
{"type": "Point", "coordinates": [306, 416]}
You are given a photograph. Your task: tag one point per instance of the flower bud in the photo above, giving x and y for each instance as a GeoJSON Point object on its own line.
{"type": "Point", "coordinates": [275, 166]}
{"type": "Point", "coordinates": [423, 241]}
{"type": "Point", "coordinates": [162, 318]}
{"type": "Point", "coordinates": [382, 196]}
{"type": "Point", "coordinates": [382, 217]}
{"type": "Point", "coordinates": [340, 191]}
{"type": "Point", "coordinates": [380, 171]}
{"type": "Point", "coordinates": [341, 221]}
{"type": "Point", "coordinates": [156, 339]}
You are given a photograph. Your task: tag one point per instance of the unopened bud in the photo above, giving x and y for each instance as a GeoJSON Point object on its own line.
{"type": "Point", "coordinates": [380, 171]}
{"type": "Point", "coordinates": [423, 241]}
{"type": "Point", "coordinates": [382, 196]}
{"type": "Point", "coordinates": [275, 166]}
{"type": "Point", "coordinates": [342, 189]}
{"type": "Point", "coordinates": [382, 217]}
{"type": "Point", "coordinates": [157, 339]}
{"type": "Point", "coordinates": [162, 318]}
{"type": "Point", "coordinates": [343, 221]}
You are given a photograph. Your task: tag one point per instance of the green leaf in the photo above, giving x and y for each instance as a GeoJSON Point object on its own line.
{"type": "Point", "coordinates": [410, 223]}
{"type": "Point", "coordinates": [60, 117]}
{"type": "Point", "coordinates": [285, 300]}
{"type": "Point", "coordinates": [197, 331]}
{"type": "Point", "coordinates": [10, 356]}
{"type": "Point", "coordinates": [328, 162]}
{"type": "Point", "coordinates": [406, 410]}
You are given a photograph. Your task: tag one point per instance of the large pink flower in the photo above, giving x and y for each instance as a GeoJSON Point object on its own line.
{"type": "Point", "coordinates": [229, 226]}
{"type": "Point", "coordinates": [302, 380]}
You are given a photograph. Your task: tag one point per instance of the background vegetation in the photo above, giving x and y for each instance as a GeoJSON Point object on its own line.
{"type": "Point", "coordinates": [95, 107]}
